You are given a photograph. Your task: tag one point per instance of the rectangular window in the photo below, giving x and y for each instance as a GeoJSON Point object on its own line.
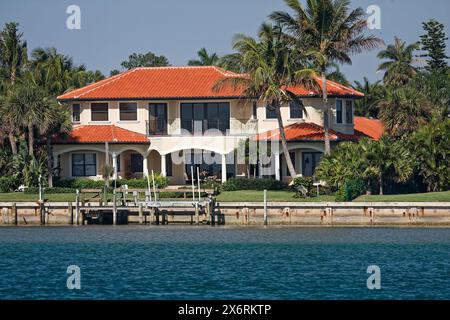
{"type": "Point", "coordinates": [76, 110]}
{"type": "Point", "coordinates": [339, 111]}
{"type": "Point", "coordinates": [296, 110]}
{"type": "Point", "coordinates": [99, 112]}
{"type": "Point", "coordinates": [349, 111]}
{"type": "Point", "coordinates": [270, 112]}
{"type": "Point", "coordinates": [255, 110]}
{"type": "Point", "coordinates": [84, 165]}
{"type": "Point", "coordinates": [128, 111]}
{"type": "Point", "coordinates": [199, 117]}
{"type": "Point", "coordinates": [169, 165]}
{"type": "Point", "coordinates": [157, 119]}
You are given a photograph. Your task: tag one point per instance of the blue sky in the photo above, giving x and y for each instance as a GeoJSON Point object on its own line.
{"type": "Point", "coordinates": [112, 30]}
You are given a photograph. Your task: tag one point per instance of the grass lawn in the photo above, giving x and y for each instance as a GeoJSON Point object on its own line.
{"type": "Point", "coordinates": [272, 196]}
{"type": "Point", "coordinates": [249, 196]}
{"type": "Point", "coordinates": [414, 197]}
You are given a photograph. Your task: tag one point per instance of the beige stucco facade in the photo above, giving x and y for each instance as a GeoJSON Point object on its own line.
{"type": "Point", "coordinates": [243, 123]}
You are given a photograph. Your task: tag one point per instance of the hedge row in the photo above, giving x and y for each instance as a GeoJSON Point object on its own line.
{"type": "Point", "coordinates": [253, 184]}
{"type": "Point", "coordinates": [160, 182]}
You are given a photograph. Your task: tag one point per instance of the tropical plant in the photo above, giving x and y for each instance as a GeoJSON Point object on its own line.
{"type": "Point", "coordinates": [433, 43]}
{"type": "Point", "coordinates": [404, 110]}
{"type": "Point", "coordinates": [368, 106]}
{"type": "Point", "coordinates": [329, 32]}
{"type": "Point", "coordinates": [13, 59]}
{"type": "Point", "coordinates": [430, 147]}
{"type": "Point", "coordinates": [149, 59]}
{"type": "Point", "coordinates": [271, 69]}
{"type": "Point", "coordinates": [205, 59]}
{"type": "Point", "coordinates": [400, 67]}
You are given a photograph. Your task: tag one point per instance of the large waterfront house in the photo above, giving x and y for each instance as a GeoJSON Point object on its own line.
{"type": "Point", "coordinates": [170, 119]}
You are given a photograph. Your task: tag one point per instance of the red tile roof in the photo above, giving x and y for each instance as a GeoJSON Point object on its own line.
{"type": "Point", "coordinates": [306, 131]}
{"type": "Point", "coordinates": [370, 127]}
{"type": "Point", "coordinates": [101, 134]}
{"type": "Point", "coordinates": [177, 82]}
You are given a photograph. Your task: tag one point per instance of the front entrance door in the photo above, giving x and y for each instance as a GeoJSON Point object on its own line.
{"type": "Point", "coordinates": [310, 160]}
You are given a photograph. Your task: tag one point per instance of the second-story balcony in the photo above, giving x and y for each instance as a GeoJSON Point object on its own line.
{"type": "Point", "coordinates": [208, 127]}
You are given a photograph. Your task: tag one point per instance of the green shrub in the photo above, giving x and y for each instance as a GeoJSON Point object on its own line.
{"type": "Point", "coordinates": [350, 190]}
{"type": "Point", "coordinates": [34, 190]}
{"type": "Point", "coordinates": [8, 184]}
{"type": "Point", "coordinates": [80, 183]}
{"type": "Point", "coordinates": [253, 184]}
{"type": "Point", "coordinates": [303, 186]}
{"type": "Point", "coordinates": [160, 181]}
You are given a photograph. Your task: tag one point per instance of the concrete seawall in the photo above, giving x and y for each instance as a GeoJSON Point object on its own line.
{"type": "Point", "coordinates": [249, 213]}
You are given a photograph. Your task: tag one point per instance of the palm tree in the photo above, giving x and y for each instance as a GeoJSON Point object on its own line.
{"type": "Point", "coordinates": [399, 68]}
{"type": "Point", "coordinates": [388, 158]}
{"type": "Point", "coordinates": [204, 59]}
{"type": "Point", "coordinates": [332, 31]}
{"type": "Point", "coordinates": [13, 58]}
{"type": "Point", "coordinates": [373, 93]}
{"type": "Point", "coordinates": [26, 104]}
{"type": "Point", "coordinates": [271, 69]}
{"type": "Point", "coordinates": [404, 110]}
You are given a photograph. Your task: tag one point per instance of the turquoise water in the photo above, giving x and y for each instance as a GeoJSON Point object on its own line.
{"type": "Point", "coordinates": [224, 263]}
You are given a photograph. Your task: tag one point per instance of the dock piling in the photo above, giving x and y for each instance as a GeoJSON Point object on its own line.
{"type": "Point", "coordinates": [114, 209]}
{"type": "Point", "coordinates": [140, 213]}
{"type": "Point", "coordinates": [265, 207]}
{"type": "Point", "coordinates": [14, 212]}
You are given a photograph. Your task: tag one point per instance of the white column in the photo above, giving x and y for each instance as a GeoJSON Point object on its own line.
{"type": "Point", "coordinates": [163, 165]}
{"type": "Point", "coordinates": [145, 166]}
{"type": "Point", "coordinates": [277, 166]}
{"type": "Point", "coordinates": [224, 168]}
{"type": "Point", "coordinates": [114, 163]}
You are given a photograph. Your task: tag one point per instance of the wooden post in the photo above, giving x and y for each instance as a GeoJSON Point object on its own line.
{"type": "Point", "coordinates": [114, 209]}
{"type": "Point", "coordinates": [77, 206]}
{"type": "Point", "coordinates": [152, 215]}
{"type": "Point", "coordinates": [196, 214]}
{"type": "Point", "coordinates": [140, 214]}
{"type": "Point", "coordinates": [14, 213]}
{"type": "Point", "coordinates": [157, 216]}
{"type": "Point", "coordinates": [135, 198]}
{"type": "Point", "coordinates": [70, 209]}
{"type": "Point", "coordinates": [265, 207]}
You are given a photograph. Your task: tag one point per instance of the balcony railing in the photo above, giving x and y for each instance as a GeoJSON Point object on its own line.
{"type": "Point", "coordinates": [209, 127]}
{"type": "Point", "coordinates": [214, 126]}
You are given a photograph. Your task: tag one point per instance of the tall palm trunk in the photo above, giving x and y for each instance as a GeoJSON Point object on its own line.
{"type": "Point", "coordinates": [49, 162]}
{"type": "Point", "coordinates": [326, 115]}
{"type": "Point", "coordinates": [287, 156]}
{"type": "Point", "coordinates": [381, 184]}
{"type": "Point", "coordinates": [13, 142]}
{"type": "Point", "coordinates": [30, 140]}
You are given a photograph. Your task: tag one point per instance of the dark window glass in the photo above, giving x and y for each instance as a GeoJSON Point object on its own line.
{"type": "Point", "coordinates": [255, 110]}
{"type": "Point", "coordinates": [198, 117]}
{"type": "Point", "coordinates": [137, 163]}
{"type": "Point", "coordinates": [158, 118]}
{"type": "Point", "coordinates": [169, 165]}
{"type": "Point", "coordinates": [99, 112]}
{"type": "Point", "coordinates": [128, 111]}
{"type": "Point", "coordinates": [76, 110]}
{"type": "Point", "coordinates": [270, 112]}
{"type": "Point", "coordinates": [338, 111]}
{"type": "Point", "coordinates": [349, 111]}
{"type": "Point", "coordinates": [296, 110]}
{"type": "Point", "coordinates": [84, 165]}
